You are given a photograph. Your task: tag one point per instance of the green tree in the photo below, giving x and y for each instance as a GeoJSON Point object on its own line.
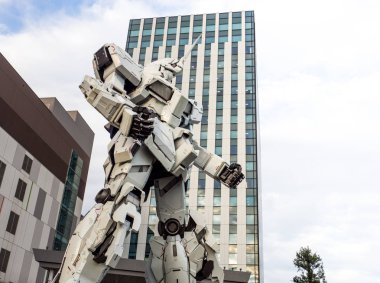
{"type": "Point", "coordinates": [310, 266]}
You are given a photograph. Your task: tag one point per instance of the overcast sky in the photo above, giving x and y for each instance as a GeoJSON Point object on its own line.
{"type": "Point", "coordinates": [319, 99]}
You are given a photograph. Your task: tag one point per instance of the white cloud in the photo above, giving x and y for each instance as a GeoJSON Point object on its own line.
{"type": "Point", "coordinates": [318, 96]}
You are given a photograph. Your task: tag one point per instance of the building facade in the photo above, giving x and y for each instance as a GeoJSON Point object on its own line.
{"type": "Point", "coordinates": [44, 160]}
{"type": "Point", "coordinates": [221, 73]}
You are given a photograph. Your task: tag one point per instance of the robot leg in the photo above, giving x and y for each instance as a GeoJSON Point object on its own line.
{"type": "Point", "coordinates": [168, 260]}
{"type": "Point", "coordinates": [97, 243]}
{"type": "Point", "coordinates": [201, 248]}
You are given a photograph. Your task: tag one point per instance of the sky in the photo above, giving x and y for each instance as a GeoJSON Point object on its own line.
{"type": "Point", "coordinates": [319, 109]}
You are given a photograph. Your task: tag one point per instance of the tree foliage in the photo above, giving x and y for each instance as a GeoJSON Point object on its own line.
{"type": "Point", "coordinates": [310, 267]}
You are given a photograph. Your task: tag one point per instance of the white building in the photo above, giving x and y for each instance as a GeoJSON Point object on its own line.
{"type": "Point", "coordinates": [220, 73]}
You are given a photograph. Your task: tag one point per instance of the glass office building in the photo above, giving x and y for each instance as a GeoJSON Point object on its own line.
{"type": "Point", "coordinates": [221, 73]}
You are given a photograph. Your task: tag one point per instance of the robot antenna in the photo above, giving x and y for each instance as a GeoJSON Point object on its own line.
{"type": "Point", "coordinates": [181, 61]}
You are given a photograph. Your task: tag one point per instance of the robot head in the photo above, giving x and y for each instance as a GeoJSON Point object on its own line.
{"type": "Point", "coordinates": [170, 67]}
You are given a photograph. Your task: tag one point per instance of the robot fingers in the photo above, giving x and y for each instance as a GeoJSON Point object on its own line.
{"type": "Point", "coordinates": [232, 175]}
{"type": "Point", "coordinates": [142, 126]}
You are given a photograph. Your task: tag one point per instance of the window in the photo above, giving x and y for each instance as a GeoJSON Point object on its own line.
{"type": "Point", "coordinates": [134, 33]}
{"type": "Point", "coordinates": [27, 164]}
{"type": "Point", "coordinates": [217, 201]}
{"type": "Point", "coordinates": [215, 229]}
{"type": "Point", "coordinates": [236, 26]}
{"type": "Point", "coordinates": [132, 44]}
{"type": "Point", "coordinates": [2, 170]}
{"type": "Point", "coordinates": [250, 239]}
{"type": "Point", "coordinates": [159, 31]}
{"type": "Point", "coordinates": [1, 202]}
{"type": "Point", "coordinates": [250, 200]}
{"type": "Point", "coordinates": [250, 134]}
{"type": "Point", "coordinates": [153, 219]}
{"type": "Point", "coordinates": [251, 259]}
{"type": "Point", "coordinates": [4, 258]}
{"type": "Point", "coordinates": [147, 32]}
{"type": "Point", "coordinates": [133, 245]}
{"type": "Point", "coordinates": [233, 219]}
{"type": "Point", "coordinates": [250, 219]}
{"type": "Point", "coordinates": [251, 249]}
{"type": "Point", "coordinates": [233, 134]}
{"type": "Point", "coordinates": [201, 183]}
{"type": "Point", "coordinates": [232, 259]}
{"type": "Point", "coordinates": [222, 39]}
{"type": "Point", "coordinates": [233, 239]}
{"type": "Point", "coordinates": [197, 29]}
{"type": "Point", "coordinates": [236, 38]}
{"type": "Point", "coordinates": [251, 229]}
{"type": "Point", "coordinates": [232, 249]}
{"type": "Point", "coordinates": [12, 223]}
{"type": "Point", "coordinates": [250, 166]}
{"type": "Point", "coordinates": [217, 185]}
{"type": "Point", "coordinates": [249, 149]}
{"type": "Point", "coordinates": [153, 200]}
{"type": "Point", "coordinates": [201, 201]}
{"type": "Point", "coordinates": [233, 201]}
{"type": "Point", "coordinates": [216, 219]}
{"type": "Point", "coordinates": [20, 190]}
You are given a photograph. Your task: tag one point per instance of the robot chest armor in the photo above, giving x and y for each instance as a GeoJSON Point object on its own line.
{"type": "Point", "coordinates": [167, 101]}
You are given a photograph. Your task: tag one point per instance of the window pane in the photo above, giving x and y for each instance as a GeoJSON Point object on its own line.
{"type": "Point", "coordinates": [232, 259]}
{"type": "Point", "coordinates": [233, 219]}
{"type": "Point", "coordinates": [250, 239]}
{"type": "Point", "coordinates": [216, 219]}
{"type": "Point", "coordinates": [233, 201]}
{"type": "Point", "coordinates": [233, 239]}
{"type": "Point", "coordinates": [250, 219]}
{"type": "Point", "coordinates": [250, 200]}
{"type": "Point", "coordinates": [201, 201]}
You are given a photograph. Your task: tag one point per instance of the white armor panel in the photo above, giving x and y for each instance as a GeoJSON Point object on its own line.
{"type": "Point", "coordinates": [161, 144]}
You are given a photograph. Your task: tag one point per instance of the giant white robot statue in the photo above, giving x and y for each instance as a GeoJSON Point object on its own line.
{"type": "Point", "coordinates": [150, 123]}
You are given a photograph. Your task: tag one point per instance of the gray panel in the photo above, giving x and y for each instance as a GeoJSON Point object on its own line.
{"type": "Point", "coordinates": [54, 187]}
{"type": "Point", "coordinates": [19, 157]}
{"type": "Point", "coordinates": [35, 171]}
{"type": "Point", "coordinates": [51, 238]}
{"type": "Point", "coordinates": [25, 268]}
{"type": "Point", "coordinates": [37, 234]}
{"type": "Point", "coordinates": [53, 213]}
{"type": "Point", "coordinates": [40, 204]}
{"type": "Point", "coordinates": [40, 275]}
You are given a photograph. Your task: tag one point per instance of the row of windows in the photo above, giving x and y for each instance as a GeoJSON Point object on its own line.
{"type": "Point", "coordinates": [209, 37]}
{"type": "Point", "coordinates": [251, 239]}
{"type": "Point", "coordinates": [216, 210]}
{"type": "Point", "coordinates": [210, 18]}
{"type": "Point", "coordinates": [185, 28]}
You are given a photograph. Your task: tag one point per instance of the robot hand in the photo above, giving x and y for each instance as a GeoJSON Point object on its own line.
{"type": "Point", "coordinates": [142, 124]}
{"type": "Point", "coordinates": [232, 175]}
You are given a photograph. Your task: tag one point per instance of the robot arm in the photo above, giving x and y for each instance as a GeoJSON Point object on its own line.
{"type": "Point", "coordinates": [116, 75]}
{"type": "Point", "coordinates": [217, 168]}
{"type": "Point", "coordinates": [130, 119]}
